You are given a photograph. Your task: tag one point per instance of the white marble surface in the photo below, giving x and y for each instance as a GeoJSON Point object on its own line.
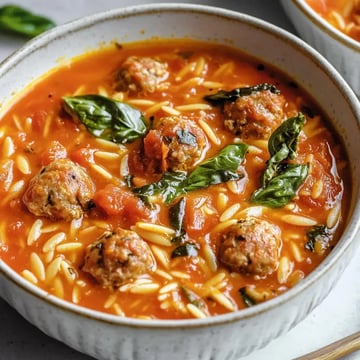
{"type": "Point", "coordinates": [336, 317]}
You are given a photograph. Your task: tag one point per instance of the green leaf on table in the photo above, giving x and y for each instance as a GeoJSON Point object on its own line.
{"type": "Point", "coordinates": [20, 21]}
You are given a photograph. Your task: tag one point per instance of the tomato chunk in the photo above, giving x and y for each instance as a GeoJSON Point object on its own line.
{"type": "Point", "coordinates": [114, 200]}
{"type": "Point", "coordinates": [154, 145]}
{"type": "Point", "coordinates": [83, 156]}
{"type": "Point", "coordinates": [55, 151]}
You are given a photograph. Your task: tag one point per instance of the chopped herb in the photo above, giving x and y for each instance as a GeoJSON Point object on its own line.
{"type": "Point", "coordinates": [187, 249]}
{"type": "Point", "coordinates": [248, 300]}
{"type": "Point", "coordinates": [177, 215]}
{"type": "Point", "coordinates": [318, 233]}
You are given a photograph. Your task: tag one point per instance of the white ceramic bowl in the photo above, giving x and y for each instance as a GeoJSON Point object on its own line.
{"type": "Point", "coordinates": [227, 336]}
{"type": "Point", "coordinates": [341, 50]}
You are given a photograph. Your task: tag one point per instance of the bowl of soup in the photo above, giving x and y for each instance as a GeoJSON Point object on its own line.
{"type": "Point", "coordinates": [171, 187]}
{"type": "Point", "coordinates": [333, 28]}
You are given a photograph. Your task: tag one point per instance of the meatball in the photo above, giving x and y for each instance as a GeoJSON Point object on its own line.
{"type": "Point", "coordinates": [60, 191]}
{"type": "Point", "coordinates": [254, 116]}
{"type": "Point", "coordinates": [175, 144]}
{"type": "Point", "coordinates": [141, 75]}
{"type": "Point", "coordinates": [251, 246]}
{"type": "Point", "coordinates": [117, 257]}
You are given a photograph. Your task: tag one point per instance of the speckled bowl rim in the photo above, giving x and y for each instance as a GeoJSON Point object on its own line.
{"type": "Point", "coordinates": [349, 233]}
{"type": "Point", "coordinates": [325, 26]}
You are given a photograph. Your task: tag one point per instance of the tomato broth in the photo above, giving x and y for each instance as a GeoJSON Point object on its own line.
{"type": "Point", "coordinates": [191, 196]}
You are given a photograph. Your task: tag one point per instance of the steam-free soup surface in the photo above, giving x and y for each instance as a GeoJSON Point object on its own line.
{"type": "Point", "coordinates": [168, 180]}
{"type": "Point", "coordinates": [343, 14]}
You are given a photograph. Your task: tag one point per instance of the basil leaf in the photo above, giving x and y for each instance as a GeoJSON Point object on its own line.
{"type": "Point", "coordinates": [177, 215]}
{"type": "Point", "coordinates": [218, 169]}
{"type": "Point", "coordinates": [20, 21]}
{"type": "Point", "coordinates": [187, 249]}
{"type": "Point", "coordinates": [280, 179]}
{"type": "Point", "coordinates": [273, 167]}
{"type": "Point", "coordinates": [107, 118]}
{"type": "Point", "coordinates": [281, 188]}
{"type": "Point", "coordinates": [222, 95]}
{"type": "Point", "coordinates": [168, 186]}
{"type": "Point", "coordinates": [248, 300]}
{"type": "Point", "coordinates": [287, 133]}
{"type": "Point", "coordinates": [221, 168]}
{"type": "Point", "coordinates": [317, 233]}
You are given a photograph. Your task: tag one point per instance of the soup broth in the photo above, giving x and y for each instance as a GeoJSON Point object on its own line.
{"type": "Point", "coordinates": [343, 14]}
{"type": "Point", "coordinates": [168, 180]}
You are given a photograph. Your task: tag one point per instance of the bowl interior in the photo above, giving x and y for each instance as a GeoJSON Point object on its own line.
{"type": "Point", "coordinates": [260, 40]}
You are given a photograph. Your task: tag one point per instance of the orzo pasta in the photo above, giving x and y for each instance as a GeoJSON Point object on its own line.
{"type": "Point", "coordinates": [168, 180]}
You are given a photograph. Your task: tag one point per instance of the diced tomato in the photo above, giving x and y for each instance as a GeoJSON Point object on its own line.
{"type": "Point", "coordinates": [322, 169]}
{"type": "Point", "coordinates": [196, 219]}
{"type": "Point", "coordinates": [55, 151]}
{"type": "Point", "coordinates": [114, 200]}
{"type": "Point", "coordinates": [83, 156]}
{"type": "Point", "coordinates": [156, 151]}
{"type": "Point", "coordinates": [38, 120]}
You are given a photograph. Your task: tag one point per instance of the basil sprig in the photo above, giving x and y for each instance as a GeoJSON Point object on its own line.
{"type": "Point", "coordinates": [222, 95]}
{"type": "Point", "coordinates": [107, 118]}
{"type": "Point", "coordinates": [218, 169]}
{"type": "Point", "coordinates": [17, 20]}
{"type": "Point", "coordinates": [281, 179]}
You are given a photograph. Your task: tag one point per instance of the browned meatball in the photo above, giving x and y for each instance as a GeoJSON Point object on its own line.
{"type": "Point", "coordinates": [175, 144]}
{"type": "Point", "coordinates": [141, 74]}
{"type": "Point", "coordinates": [256, 115]}
{"type": "Point", "coordinates": [251, 246]}
{"type": "Point", "coordinates": [60, 191]}
{"type": "Point", "coordinates": [117, 257]}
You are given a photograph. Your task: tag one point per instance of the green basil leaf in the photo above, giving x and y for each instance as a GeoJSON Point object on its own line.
{"type": "Point", "coordinates": [107, 118]}
{"type": "Point", "coordinates": [281, 188]}
{"type": "Point", "coordinates": [287, 133]}
{"type": "Point", "coordinates": [168, 186]}
{"type": "Point", "coordinates": [280, 179]}
{"type": "Point", "coordinates": [248, 300]}
{"type": "Point", "coordinates": [177, 216]}
{"type": "Point", "coordinates": [187, 249]}
{"type": "Point", "coordinates": [273, 167]}
{"type": "Point", "coordinates": [317, 233]}
{"type": "Point", "coordinates": [20, 21]}
{"type": "Point", "coordinates": [222, 95]}
{"type": "Point", "coordinates": [221, 168]}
